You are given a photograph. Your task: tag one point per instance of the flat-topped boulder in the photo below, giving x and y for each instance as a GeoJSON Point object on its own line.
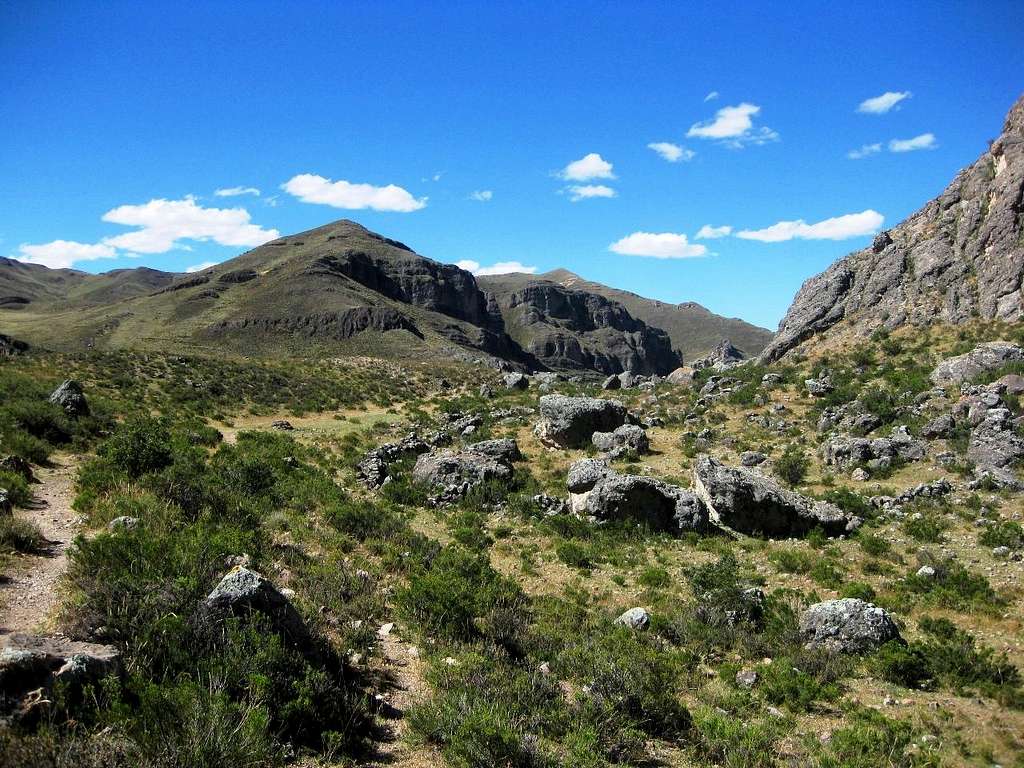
{"type": "Point", "coordinates": [570, 422]}
{"type": "Point", "coordinates": [752, 503]}
{"type": "Point", "coordinates": [984, 358]}
{"type": "Point", "coordinates": [848, 625]}
{"type": "Point", "coordinates": [629, 438]}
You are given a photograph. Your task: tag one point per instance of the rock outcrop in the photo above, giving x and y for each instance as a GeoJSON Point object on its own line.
{"type": "Point", "coordinates": [752, 503]}
{"type": "Point", "coordinates": [570, 422]}
{"type": "Point", "coordinates": [453, 474]}
{"type": "Point", "coordinates": [984, 358]}
{"type": "Point", "coordinates": [373, 469]}
{"type": "Point", "coordinates": [627, 439]}
{"type": "Point", "coordinates": [71, 398]}
{"type": "Point", "coordinates": [960, 256]}
{"type": "Point", "coordinates": [847, 626]}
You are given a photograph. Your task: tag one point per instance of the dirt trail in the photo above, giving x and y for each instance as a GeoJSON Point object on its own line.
{"type": "Point", "coordinates": [29, 600]}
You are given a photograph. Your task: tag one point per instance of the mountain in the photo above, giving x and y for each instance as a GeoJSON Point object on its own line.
{"type": "Point", "coordinates": [693, 329]}
{"type": "Point", "coordinates": [336, 289]}
{"type": "Point", "coordinates": [960, 257]}
{"type": "Point", "coordinates": [566, 327]}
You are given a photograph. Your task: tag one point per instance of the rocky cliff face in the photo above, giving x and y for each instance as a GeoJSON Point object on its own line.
{"type": "Point", "coordinates": [960, 256]}
{"type": "Point", "coordinates": [565, 328]}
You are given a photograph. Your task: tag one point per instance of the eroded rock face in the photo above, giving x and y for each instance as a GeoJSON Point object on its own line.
{"type": "Point", "coordinates": [994, 447]}
{"type": "Point", "coordinates": [648, 500]}
{"type": "Point", "coordinates": [569, 422]}
{"type": "Point", "coordinates": [70, 396]}
{"type": "Point", "coordinates": [722, 357]}
{"type": "Point", "coordinates": [752, 503]}
{"type": "Point", "coordinates": [516, 381]}
{"type": "Point", "coordinates": [846, 452]}
{"type": "Point", "coordinates": [961, 255]}
{"type": "Point", "coordinates": [847, 626]}
{"type": "Point", "coordinates": [584, 474]}
{"type": "Point", "coordinates": [983, 358]}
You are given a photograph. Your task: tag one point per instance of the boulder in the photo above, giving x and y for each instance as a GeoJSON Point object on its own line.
{"type": "Point", "coordinates": [648, 500]}
{"type": "Point", "coordinates": [722, 357]}
{"type": "Point", "coordinates": [752, 458]}
{"type": "Point", "coordinates": [681, 376]}
{"type": "Point", "coordinates": [982, 359]}
{"type": "Point", "coordinates": [569, 422]}
{"type": "Point", "coordinates": [453, 474]}
{"type": "Point", "coordinates": [504, 448]}
{"type": "Point", "coordinates": [32, 665]}
{"type": "Point", "coordinates": [515, 381]}
{"type": "Point", "coordinates": [629, 438]}
{"type": "Point", "coordinates": [848, 625]}
{"type": "Point", "coordinates": [123, 523]}
{"type": "Point", "coordinates": [243, 591]}
{"type": "Point", "coordinates": [819, 387]}
{"type": "Point", "coordinates": [283, 425]}
{"type": "Point", "coordinates": [612, 382]}
{"type": "Point", "coordinates": [994, 446]}
{"type": "Point", "coordinates": [373, 469]}
{"type": "Point", "coordinates": [751, 503]}
{"type": "Point", "coordinates": [1011, 384]}
{"type": "Point", "coordinates": [940, 426]}
{"type": "Point", "coordinates": [635, 618]}
{"type": "Point", "coordinates": [584, 474]}
{"type": "Point", "coordinates": [70, 396]}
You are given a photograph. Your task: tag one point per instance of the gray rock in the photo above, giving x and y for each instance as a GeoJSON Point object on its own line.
{"type": "Point", "coordinates": [956, 259]}
{"type": "Point", "coordinates": [644, 499]}
{"type": "Point", "coordinates": [752, 458]}
{"type": "Point", "coordinates": [629, 438]}
{"type": "Point", "coordinates": [70, 396]}
{"type": "Point", "coordinates": [848, 625]}
{"type": "Point", "coordinates": [454, 474]}
{"type": "Point", "coordinates": [18, 466]}
{"type": "Point", "coordinates": [860, 474]}
{"type": "Point", "coordinates": [747, 678]}
{"type": "Point", "coordinates": [994, 446]}
{"type": "Point", "coordinates": [1001, 552]}
{"type": "Point", "coordinates": [926, 572]}
{"type": "Point", "coordinates": [722, 357]}
{"type": "Point", "coordinates": [123, 523]}
{"type": "Point", "coordinates": [585, 473]}
{"type": "Point", "coordinates": [516, 381]}
{"type": "Point", "coordinates": [6, 505]}
{"type": "Point", "coordinates": [242, 591]}
{"type": "Point", "coordinates": [982, 359]}
{"type": "Point", "coordinates": [282, 425]}
{"type": "Point", "coordinates": [372, 471]}
{"type": "Point", "coordinates": [751, 503]}
{"type": "Point", "coordinates": [819, 387]}
{"type": "Point", "coordinates": [569, 422]}
{"type": "Point", "coordinates": [635, 618]}
{"type": "Point", "coordinates": [940, 426]}
{"type": "Point", "coordinates": [612, 382]}
{"type": "Point", "coordinates": [1011, 384]}
{"type": "Point", "coordinates": [681, 376]}
{"type": "Point", "coordinates": [505, 449]}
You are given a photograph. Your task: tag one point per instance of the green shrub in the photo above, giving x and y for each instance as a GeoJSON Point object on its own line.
{"type": "Point", "coordinates": [925, 527]}
{"type": "Point", "coordinates": [1003, 533]}
{"type": "Point", "coordinates": [790, 560]}
{"type": "Point", "coordinates": [654, 577]}
{"type": "Point", "coordinates": [792, 465]}
{"type": "Point", "coordinates": [574, 554]}
{"type": "Point", "coordinates": [138, 446]}
{"type": "Point", "coordinates": [19, 535]}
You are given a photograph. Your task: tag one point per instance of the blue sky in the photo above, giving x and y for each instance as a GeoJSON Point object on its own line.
{"type": "Point", "coordinates": [489, 133]}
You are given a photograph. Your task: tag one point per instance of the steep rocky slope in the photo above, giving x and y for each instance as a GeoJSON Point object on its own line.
{"type": "Point", "coordinates": [565, 327]}
{"type": "Point", "coordinates": [693, 329]}
{"type": "Point", "coordinates": [960, 256]}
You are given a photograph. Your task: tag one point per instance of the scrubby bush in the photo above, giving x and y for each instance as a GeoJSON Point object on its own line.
{"type": "Point", "coordinates": [792, 465]}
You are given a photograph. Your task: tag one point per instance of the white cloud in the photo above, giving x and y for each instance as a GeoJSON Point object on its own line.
{"type": "Point", "coordinates": [162, 223]}
{"type": "Point", "coordinates": [707, 232]}
{"type": "Point", "coordinates": [483, 195]}
{"type": "Point", "coordinates": [837, 228]}
{"type": "Point", "coordinates": [236, 191]}
{"type": "Point", "coordinates": [866, 150]}
{"type": "Point", "coordinates": [663, 245]}
{"type": "Point", "coordinates": [201, 267]}
{"type": "Point", "coordinates": [61, 254]}
{"type": "Point", "coordinates": [711, 96]}
{"type": "Point", "coordinates": [311, 188]}
{"type": "Point", "coordinates": [879, 105]}
{"type": "Point", "coordinates": [586, 191]}
{"type": "Point", "coordinates": [672, 152]}
{"type": "Point", "coordinates": [734, 127]}
{"type": "Point", "coordinates": [588, 167]}
{"type": "Point", "coordinates": [499, 268]}
{"type": "Point", "coordinates": [924, 141]}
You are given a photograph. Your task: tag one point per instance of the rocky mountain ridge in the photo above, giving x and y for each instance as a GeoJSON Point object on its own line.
{"type": "Point", "coordinates": [959, 257]}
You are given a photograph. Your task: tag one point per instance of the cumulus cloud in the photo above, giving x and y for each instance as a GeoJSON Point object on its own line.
{"type": "Point", "coordinates": [924, 141]}
{"type": "Point", "coordinates": [671, 152]}
{"type": "Point", "coordinates": [483, 195]}
{"type": "Point", "coordinates": [579, 192]}
{"type": "Point", "coordinates": [588, 167]}
{"type": "Point", "coordinates": [162, 223]}
{"type": "Point", "coordinates": [838, 228]}
{"type": "Point", "coordinates": [661, 245]}
{"type": "Point", "coordinates": [201, 267]}
{"type": "Point", "coordinates": [498, 268]}
{"type": "Point", "coordinates": [236, 191]}
{"type": "Point", "coordinates": [707, 232]}
{"type": "Point", "coordinates": [311, 188]}
{"type": "Point", "coordinates": [711, 96]}
{"type": "Point", "coordinates": [61, 254]}
{"type": "Point", "coordinates": [879, 105]}
{"type": "Point", "coordinates": [866, 150]}
{"type": "Point", "coordinates": [734, 127]}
